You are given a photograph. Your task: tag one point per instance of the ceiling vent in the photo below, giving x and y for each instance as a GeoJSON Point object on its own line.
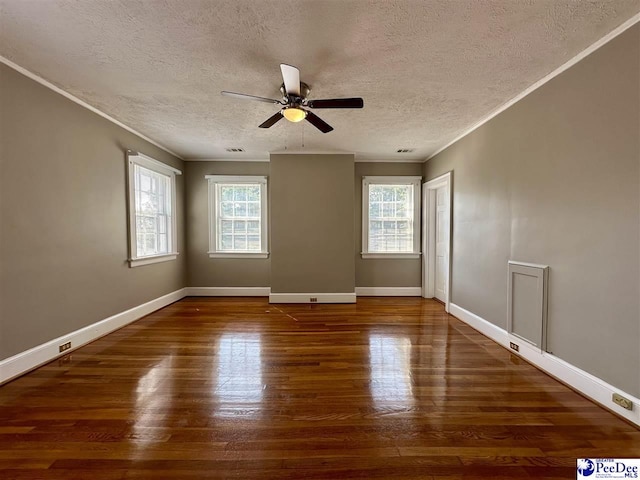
{"type": "Point", "coordinates": [405, 150]}
{"type": "Point", "coordinates": [235, 150]}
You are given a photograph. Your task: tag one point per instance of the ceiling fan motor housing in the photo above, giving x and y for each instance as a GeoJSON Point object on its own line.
{"type": "Point", "coordinates": [292, 99]}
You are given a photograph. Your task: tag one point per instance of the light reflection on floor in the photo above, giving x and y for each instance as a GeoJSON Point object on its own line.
{"type": "Point", "coordinates": [238, 375]}
{"type": "Point", "coordinates": [390, 359]}
{"type": "Point", "coordinates": [153, 399]}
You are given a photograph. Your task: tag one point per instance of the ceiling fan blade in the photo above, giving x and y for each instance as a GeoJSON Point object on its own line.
{"type": "Point", "coordinates": [272, 120]}
{"type": "Point", "coordinates": [317, 122]}
{"type": "Point", "coordinates": [336, 103]}
{"type": "Point", "coordinates": [291, 78]}
{"type": "Point", "coordinates": [244, 96]}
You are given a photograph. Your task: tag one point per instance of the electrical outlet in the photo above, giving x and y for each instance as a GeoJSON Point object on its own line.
{"type": "Point", "coordinates": [313, 299]}
{"type": "Point", "coordinates": [623, 402]}
{"type": "Point", "coordinates": [514, 346]}
{"type": "Point", "coordinates": [64, 347]}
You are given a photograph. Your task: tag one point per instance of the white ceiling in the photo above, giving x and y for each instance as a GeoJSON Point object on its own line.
{"type": "Point", "coordinates": [427, 70]}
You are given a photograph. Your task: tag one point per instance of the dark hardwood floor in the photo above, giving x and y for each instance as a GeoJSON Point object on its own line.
{"type": "Point", "coordinates": [237, 388]}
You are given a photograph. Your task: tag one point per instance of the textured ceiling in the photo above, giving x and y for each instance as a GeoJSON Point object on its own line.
{"type": "Point", "coordinates": [427, 70]}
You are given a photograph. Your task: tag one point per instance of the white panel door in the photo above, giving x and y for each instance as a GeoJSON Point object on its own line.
{"type": "Point", "coordinates": [436, 238]}
{"type": "Point", "coordinates": [441, 234]}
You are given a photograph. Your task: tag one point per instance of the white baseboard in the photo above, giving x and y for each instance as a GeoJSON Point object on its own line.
{"type": "Point", "coordinates": [488, 329]}
{"type": "Point", "coordinates": [266, 291]}
{"type": "Point", "coordinates": [389, 291]}
{"type": "Point", "coordinates": [228, 291]}
{"type": "Point", "coordinates": [23, 362]}
{"type": "Point", "coordinates": [589, 385]}
{"type": "Point", "coordinates": [306, 297]}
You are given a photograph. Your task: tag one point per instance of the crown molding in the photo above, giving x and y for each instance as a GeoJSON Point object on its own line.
{"type": "Point", "coordinates": [227, 160]}
{"type": "Point", "coordinates": [584, 53]}
{"type": "Point", "coordinates": [311, 152]}
{"type": "Point", "coordinates": [82, 103]}
{"type": "Point", "coordinates": [388, 160]}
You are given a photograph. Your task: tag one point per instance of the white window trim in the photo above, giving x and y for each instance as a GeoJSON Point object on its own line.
{"type": "Point", "coordinates": [136, 158]}
{"type": "Point", "coordinates": [264, 212]}
{"type": "Point", "coordinates": [391, 180]}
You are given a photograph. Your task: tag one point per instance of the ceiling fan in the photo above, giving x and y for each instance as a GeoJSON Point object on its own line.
{"type": "Point", "coordinates": [295, 103]}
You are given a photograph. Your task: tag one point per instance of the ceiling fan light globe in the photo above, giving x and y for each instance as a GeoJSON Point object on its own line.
{"type": "Point", "coordinates": [294, 114]}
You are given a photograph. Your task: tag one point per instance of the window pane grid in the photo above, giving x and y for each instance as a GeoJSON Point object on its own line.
{"type": "Point", "coordinates": [152, 200]}
{"type": "Point", "coordinates": [390, 218]}
{"type": "Point", "coordinates": [239, 218]}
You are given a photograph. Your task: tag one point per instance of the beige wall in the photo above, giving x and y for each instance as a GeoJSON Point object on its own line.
{"type": "Point", "coordinates": [555, 180]}
{"type": "Point", "coordinates": [203, 271]}
{"type": "Point", "coordinates": [63, 218]}
{"type": "Point", "coordinates": [377, 272]}
{"type": "Point", "coordinates": [312, 229]}
{"type": "Point", "coordinates": [217, 272]}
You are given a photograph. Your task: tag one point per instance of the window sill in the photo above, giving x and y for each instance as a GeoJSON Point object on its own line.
{"type": "Point", "coordinates": [139, 262]}
{"type": "Point", "coordinates": [238, 254]}
{"type": "Point", "coordinates": [391, 255]}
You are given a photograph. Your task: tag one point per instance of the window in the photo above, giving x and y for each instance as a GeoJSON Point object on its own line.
{"type": "Point", "coordinates": [390, 217]}
{"type": "Point", "coordinates": [152, 222]}
{"type": "Point", "coordinates": [237, 216]}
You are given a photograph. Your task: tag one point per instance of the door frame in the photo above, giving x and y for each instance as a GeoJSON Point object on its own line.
{"type": "Point", "coordinates": [428, 236]}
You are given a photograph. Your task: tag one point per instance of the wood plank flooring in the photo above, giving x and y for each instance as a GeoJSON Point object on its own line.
{"type": "Point", "coordinates": [239, 389]}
